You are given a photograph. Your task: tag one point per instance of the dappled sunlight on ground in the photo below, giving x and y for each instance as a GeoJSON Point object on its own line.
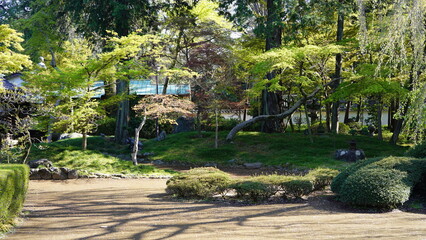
{"type": "Point", "coordinates": [139, 209]}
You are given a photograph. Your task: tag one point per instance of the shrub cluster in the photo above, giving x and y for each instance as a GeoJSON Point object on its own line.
{"type": "Point", "coordinates": [13, 187]}
{"type": "Point", "coordinates": [320, 127]}
{"type": "Point", "coordinates": [380, 182]}
{"type": "Point", "coordinates": [418, 151]}
{"type": "Point", "coordinates": [201, 183]}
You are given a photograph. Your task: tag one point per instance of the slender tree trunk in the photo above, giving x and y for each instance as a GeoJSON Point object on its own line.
{"type": "Point", "coordinates": [122, 121]}
{"type": "Point", "coordinates": [216, 136]}
{"type": "Point", "coordinates": [136, 143]}
{"type": "Point", "coordinates": [348, 108]}
{"type": "Point", "coordinates": [308, 124]}
{"type": "Point", "coordinates": [27, 153]}
{"type": "Point", "coordinates": [84, 141]}
{"type": "Point", "coordinates": [338, 70]}
{"type": "Point", "coordinates": [379, 120]}
{"type": "Point", "coordinates": [358, 111]}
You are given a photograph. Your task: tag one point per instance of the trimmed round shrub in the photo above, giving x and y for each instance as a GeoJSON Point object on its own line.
{"type": "Point", "coordinates": [297, 187]}
{"type": "Point", "coordinates": [342, 176]}
{"type": "Point", "coordinates": [253, 191]}
{"type": "Point", "coordinates": [381, 182]}
{"type": "Point", "coordinates": [199, 183]}
{"type": "Point", "coordinates": [383, 188]}
{"type": "Point", "coordinates": [322, 177]}
{"type": "Point", "coordinates": [273, 182]}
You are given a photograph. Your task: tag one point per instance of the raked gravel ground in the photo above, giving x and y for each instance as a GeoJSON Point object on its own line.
{"type": "Point", "coordinates": [139, 209]}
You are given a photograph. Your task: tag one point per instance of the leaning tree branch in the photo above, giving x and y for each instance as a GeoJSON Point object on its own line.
{"type": "Point", "coordinates": [280, 116]}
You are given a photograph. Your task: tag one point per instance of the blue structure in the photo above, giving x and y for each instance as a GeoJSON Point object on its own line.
{"type": "Point", "coordinates": [144, 87]}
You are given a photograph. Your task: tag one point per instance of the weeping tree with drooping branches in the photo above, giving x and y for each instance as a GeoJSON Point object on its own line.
{"type": "Point", "coordinates": [397, 30]}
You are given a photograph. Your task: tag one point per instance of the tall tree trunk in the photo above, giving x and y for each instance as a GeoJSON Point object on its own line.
{"type": "Point", "coordinates": [270, 100]}
{"type": "Point", "coordinates": [216, 132]}
{"type": "Point", "coordinates": [379, 120]}
{"type": "Point", "coordinates": [358, 111]}
{"type": "Point", "coordinates": [84, 141]}
{"type": "Point", "coordinates": [136, 143]}
{"type": "Point", "coordinates": [348, 109]}
{"type": "Point", "coordinates": [308, 123]}
{"type": "Point", "coordinates": [122, 122]}
{"type": "Point", "coordinates": [338, 69]}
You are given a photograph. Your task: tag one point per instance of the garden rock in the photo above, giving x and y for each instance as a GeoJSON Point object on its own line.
{"type": "Point", "coordinates": [70, 135]}
{"type": "Point", "coordinates": [45, 174]}
{"type": "Point", "coordinates": [184, 124]}
{"type": "Point", "coordinates": [72, 174]}
{"type": "Point", "coordinates": [58, 174]}
{"type": "Point", "coordinates": [43, 162]}
{"type": "Point", "coordinates": [158, 162]}
{"type": "Point", "coordinates": [161, 136]}
{"type": "Point", "coordinates": [351, 155]}
{"type": "Point", "coordinates": [34, 174]}
{"type": "Point", "coordinates": [255, 165]}
{"type": "Point", "coordinates": [210, 165]}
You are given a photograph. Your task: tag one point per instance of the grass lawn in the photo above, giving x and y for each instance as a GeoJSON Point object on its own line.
{"type": "Point", "coordinates": [68, 153]}
{"type": "Point", "coordinates": [294, 149]}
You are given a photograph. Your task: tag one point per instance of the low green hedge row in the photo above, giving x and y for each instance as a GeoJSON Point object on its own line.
{"type": "Point", "coordinates": [13, 187]}
{"type": "Point", "coordinates": [379, 182]}
{"type": "Point", "coordinates": [202, 183]}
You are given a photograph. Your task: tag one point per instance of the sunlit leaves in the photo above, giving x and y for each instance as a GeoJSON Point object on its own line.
{"type": "Point", "coordinates": [10, 45]}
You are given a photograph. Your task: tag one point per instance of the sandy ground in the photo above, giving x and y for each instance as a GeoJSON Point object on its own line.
{"type": "Point", "coordinates": [139, 209]}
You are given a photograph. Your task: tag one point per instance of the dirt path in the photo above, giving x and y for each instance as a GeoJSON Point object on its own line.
{"type": "Point", "coordinates": [138, 209]}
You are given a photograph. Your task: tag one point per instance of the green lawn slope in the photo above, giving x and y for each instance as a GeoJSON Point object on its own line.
{"type": "Point", "coordinates": [290, 149]}
{"type": "Point", "coordinates": [102, 156]}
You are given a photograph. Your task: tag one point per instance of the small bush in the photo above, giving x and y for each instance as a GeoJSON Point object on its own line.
{"type": "Point", "coordinates": [199, 183]}
{"type": "Point", "coordinates": [297, 187]}
{"type": "Point", "coordinates": [342, 176]}
{"type": "Point", "coordinates": [272, 182]}
{"type": "Point", "coordinates": [381, 182]}
{"type": "Point", "coordinates": [418, 151]}
{"type": "Point", "coordinates": [322, 177]}
{"type": "Point", "coordinates": [253, 191]}
{"type": "Point", "coordinates": [383, 188]}
{"type": "Point", "coordinates": [343, 128]}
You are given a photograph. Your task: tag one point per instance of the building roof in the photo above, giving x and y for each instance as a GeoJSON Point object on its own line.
{"type": "Point", "coordinates": [144, 87]}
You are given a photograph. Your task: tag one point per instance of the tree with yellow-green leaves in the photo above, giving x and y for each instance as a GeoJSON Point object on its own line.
{"type": "Point", "coordinates": [69, 89]}
{"type": "Point", "coordinates": [11, 60]}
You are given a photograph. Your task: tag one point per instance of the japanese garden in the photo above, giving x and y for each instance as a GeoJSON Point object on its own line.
{"type": "Point", "coordinates": [207, 119]}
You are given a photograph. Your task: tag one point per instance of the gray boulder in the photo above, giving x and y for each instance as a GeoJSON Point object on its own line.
{"type": "Point", "coordinates": [72, 174]}
{"type": "Point", "coordinates": [161, 136]}
{"type": "Point", "coordinates": [255, 165]}
{"type": "Point", "coordinates": [184, 124]}
{"type": "Point", "coordinates": [58, 174]}
{"type": "Point", "coordinates": [70, 135]}
{"type": "Point", "coordinates": [34, 174]}
{"type": "Point", "coordinates": [42, 162]}
{"type": "Point", "coordinates": [349, 155]}
{"type": "Point", "coordinates": [45, 174]}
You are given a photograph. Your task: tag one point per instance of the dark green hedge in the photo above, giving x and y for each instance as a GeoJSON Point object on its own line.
{"type": "Point", "coordinates": [381, 182]}
{"type": "Point", "coordinates": [13, 187]}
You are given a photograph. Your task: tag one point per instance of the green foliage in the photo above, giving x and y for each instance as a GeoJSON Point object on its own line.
{"type": "Point", "coordinates": [11, 60]}
{"type": "Point", "coordinates": [253, 191]}
{"type": "Point", "coordinates": [383, 188]}
{"type": "Point", "coordinates": [102, 156]}
{"type": "Point", "coordinates": [297, 187]}
{"type": "Point", "coordinates": [322, 177]}
{"type": "Point", "coordinates": [417, 151]}
{"type": "Point", "coordinates": [14, 184]}
{"type": "Point", "coordinates": [382, 182]}
{"type": "Point", "coordinates": [270, 149]}
{"type": "Point", "coordinates": [199, 183]}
